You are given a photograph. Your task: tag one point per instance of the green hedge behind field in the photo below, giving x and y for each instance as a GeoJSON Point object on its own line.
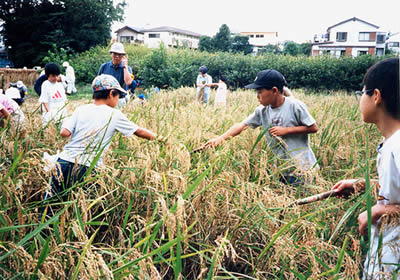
{"type": "Point", "coordinates": [174, 68]}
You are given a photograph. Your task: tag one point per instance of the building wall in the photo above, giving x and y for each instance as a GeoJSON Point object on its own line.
{"type": "Point", "coordinates": [261, 39]}
{"type": "Point", "coordinates": [127, 32]}
{"type": "Point", "coordinates": [170, 39]}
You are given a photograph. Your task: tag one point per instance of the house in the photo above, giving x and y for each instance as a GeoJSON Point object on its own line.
{"type": "Point", "coordinates": [261, 39]}
{"type": "Point", "coordinates": [350, 37]}
{"type": "Point", "coordinates": [128, 34]}
{"type": "Point", "coordinates": [171, 37]}
{"type": "Point", "coordinates": [393, 43]}
{"type": "Point", "coordinates": [153, 37]}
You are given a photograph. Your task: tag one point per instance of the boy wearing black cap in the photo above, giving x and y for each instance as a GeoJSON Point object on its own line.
{"type": "Point", "coordinates": [286, 118]}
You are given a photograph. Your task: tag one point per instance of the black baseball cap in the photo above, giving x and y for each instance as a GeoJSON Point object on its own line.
{"type": "Point", "coordinates": [268, 79]}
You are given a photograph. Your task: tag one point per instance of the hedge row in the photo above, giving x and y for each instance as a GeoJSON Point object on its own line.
{"type": "Point", "coordinates": [174, 68]}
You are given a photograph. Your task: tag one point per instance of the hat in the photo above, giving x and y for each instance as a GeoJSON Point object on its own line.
{"type": "Point", "coordinates": [268, 79]}
{"type": "Point", "coordinates": [107, 82]}
{"type": "Point", "coordinates": [20, 84]}
{"type": "Point", "coordinates": [13, 93]}
{"type": "Point", "coordinates": [117, 48]}
{"type": "Point", "coordinates": [65, 64]}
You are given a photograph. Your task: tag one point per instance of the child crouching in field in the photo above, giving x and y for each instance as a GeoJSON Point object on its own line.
{"type": "Point", "coordinates": [52, 96]}
{"type": "Point", "coordinates": [380, 104]}
{"type": "Point", "coordinates": [92, 128]}
{"type": "Point", "coordinates": [9, 110]}
{"type": "Point", "coordinates": [287, 118]}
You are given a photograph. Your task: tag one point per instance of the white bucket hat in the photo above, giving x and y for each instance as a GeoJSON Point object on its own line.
{"type": "Point", "coordinates": [117, 48]}
{"type": "Point", "coordinates": [20, 84]}
{"type": "Point", "coordinates": [65, 64]}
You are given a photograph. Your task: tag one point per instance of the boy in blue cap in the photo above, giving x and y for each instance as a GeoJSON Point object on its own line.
{"type": "Point", "coordinates": [286, 118]}
{"type": "Point", "coordinates": [91, 128]}
{"type": "Point", "coordinates": [380, 104]}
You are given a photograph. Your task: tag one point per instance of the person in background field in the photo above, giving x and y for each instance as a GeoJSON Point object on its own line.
{"type": "Point", "coordinates": [52, 96]}
{"type": "Point", "coordinates": [69, 78]}
{"type": "Point", "coordinates": [9, 110]}
{"type": "Point", "coordinates": [203, 85]}
{"type": "Point", "coordinates": [286, 120]}
{"type": "Point", "coordinates": [220, 95]}
{"type": "Point", "coordinates": [91, 128]}
{"type": "Point", "coordinates": [118, 68]}
{"type": "Point", "coordinates": [22, 91]}
{"type": "Point", "coordinates": [380, 105]}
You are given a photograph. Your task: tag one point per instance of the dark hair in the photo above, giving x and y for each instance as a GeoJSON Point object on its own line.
{"type": "Point", "coordinates": [103, 94]}
{"type": "Point", "coordinates": [203, 69]}
{"type": "Point", "coordinates": [52, 69]}
{"type": "Point", "coordinates": [384, 76]}
{"type": "Point", "coordinates": [223, 78]}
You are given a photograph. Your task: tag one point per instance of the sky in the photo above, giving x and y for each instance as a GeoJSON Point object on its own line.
{"type": "Point", "coordinates": [295, 20]}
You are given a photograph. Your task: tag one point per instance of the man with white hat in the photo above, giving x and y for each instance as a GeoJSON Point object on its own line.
{"type": "Point", "coordinates": [118, 68]}
{"type": "Point", "coordinates": [22, 91]}
{"type": "Point", "coordinates": [69, 78]}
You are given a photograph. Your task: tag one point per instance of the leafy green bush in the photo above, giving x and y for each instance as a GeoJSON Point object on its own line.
{"type": "Point", "coordinates": [174, 68]}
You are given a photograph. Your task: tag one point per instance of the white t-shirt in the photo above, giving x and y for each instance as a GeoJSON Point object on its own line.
{"type": "Point", "coordinates": [203, 81]}
{"type": "Point", "coordinates": [220, 95]}
{"type": "Point", "coordinates": [92, 128]}
{"type": "Point", "coordinates": [388, 165]}
{"type": "Point", "coordinates": [54, 95]}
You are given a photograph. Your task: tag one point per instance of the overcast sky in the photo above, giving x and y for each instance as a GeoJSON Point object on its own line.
{"type": "Point", "coordinates": [293, 19]}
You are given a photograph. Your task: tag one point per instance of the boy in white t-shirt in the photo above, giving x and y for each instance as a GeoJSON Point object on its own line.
{"type": "Point", "coordinates": [220, 95]}
{"type": "Point", "coordinates": [380, 104]}
{"type": "Point", "coordinates": [91, 128]}
{"type": "Point", "coordinates": [203, 82]}
{"type": "Point", "coordinates": [53, 96]}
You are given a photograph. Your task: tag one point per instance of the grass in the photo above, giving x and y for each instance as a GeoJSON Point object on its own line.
{"type": "Point", "coordinates": [157, 211]}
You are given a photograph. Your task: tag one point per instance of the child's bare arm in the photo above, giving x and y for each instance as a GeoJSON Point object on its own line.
{"type": "Point", "coordinates": [283, 130]}
{"type": "Point", "coordinates": [145, 133]}
{"type": "Point", "coordinates": [46, 106]}
{"type": "Point", "coordinates": [65, 133]}
{"type": "Point", "coordinates": [5, 113]}
{"type": "Point", "coordinates": [236, 129]}
{"type": "Point", "coordinates": [346, 187]}
{"type": "Point", "coordinates": [377, 211]}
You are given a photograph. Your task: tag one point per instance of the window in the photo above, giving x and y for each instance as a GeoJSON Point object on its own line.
{"type": "Point", "coordinates": [341, 36]}
{"type": "Point", "coordinates": [379, 51]}
{"type": "Point", "coordinates": [257, 36]}
{"type": "Point", "coordinates": [380, 38]}
{"type": "Point", "coordinates": [126, 39]}
{"type": "Point", "coordinates": [154, 35]}
{"type": "Point", "coordinates": [364, 36]}
{"type": "Point", "coordinates": [362, 52]}
{"type": "Point", "coordinates": [342, 53]}
{"type": "Point", "coordinates": [252, 36]}
{"type": "Point", "coordinates": [261, 36]}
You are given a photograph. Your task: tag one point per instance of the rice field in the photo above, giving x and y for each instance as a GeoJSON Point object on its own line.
{"type": "Point", "coordinates": [158, 211]}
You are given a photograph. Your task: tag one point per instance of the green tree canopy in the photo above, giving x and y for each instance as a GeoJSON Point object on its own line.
{"type": "Point", "coordinates": [206, 43]}
{"type": "Point", "coordinates": [33, 27]}
{"type": "Point", "coordinates": [222, 40]}
{"type": "Point", "coordinates": [241, 44]}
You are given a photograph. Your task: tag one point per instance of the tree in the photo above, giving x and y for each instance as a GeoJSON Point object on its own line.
{"type": "Point", "coordinates": [206, 43]}
{"type": "Point", "coordinates": [290, 48]}
{"type": "Point", "coordinates": [241, 44]}
{"type": "Point", "coordinates": [32, 27]}
{"type": "Point", "coordinates": [222, 40]}
{"type": "Point", "coordinates": [304, 49]}
{"type": "Point", "coordinates": [270, 48]}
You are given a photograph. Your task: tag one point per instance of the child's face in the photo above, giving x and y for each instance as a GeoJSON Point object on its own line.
{"type": "Point", "coordinates": [367, 107]}
{"type": "Point", "coordinates": [266, 96]}
{"type": "Point", "coordinates": [52, 78]}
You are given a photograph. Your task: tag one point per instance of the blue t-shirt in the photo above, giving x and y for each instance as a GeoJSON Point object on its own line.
{"type": "Point", "coordinates": [116, 71]}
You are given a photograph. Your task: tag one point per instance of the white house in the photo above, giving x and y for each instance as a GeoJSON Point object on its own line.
{"type": "Point", "coordinates": [128, 34]}
{"type": "Point", "coordinates": [261, 39]}
{"type": "Point", "coordinates": [153, 37]}
{"type": "Point", "coordinates": [350, 37]}
{"type": "Point", "coordinates": [171, 37]}
{"type": "Point", "coordinates": [393, 43]}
